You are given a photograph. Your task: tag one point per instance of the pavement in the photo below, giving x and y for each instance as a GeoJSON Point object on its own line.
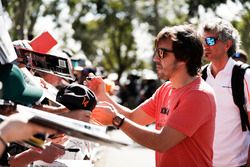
{"type": "Point", "coordinates": [133, 155]}
{"type": "Point", "coordinates": [125, 156]}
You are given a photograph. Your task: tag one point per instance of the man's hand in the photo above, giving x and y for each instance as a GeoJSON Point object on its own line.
{"type": "Point", "coordinates": [51, 152]}
{"type": "Point", "coordinates": [21, 44]}
{"type": "Point", "coordinates": [48, 155]}
{"type": "Point", "coordinates": [97, 85]}
{"type": "Point", "coordinates": [103, 113]}
{"type": "Point", "coordinates": [16, 128]}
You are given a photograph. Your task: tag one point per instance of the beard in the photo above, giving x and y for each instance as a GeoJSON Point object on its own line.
{"type": "Point", "coordinates": [166, 73]}
{"type": "Point", "coordinates": [162, 76]}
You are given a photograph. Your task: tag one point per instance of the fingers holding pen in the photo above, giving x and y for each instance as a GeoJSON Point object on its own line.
{"type": "Point", "coordinates": [96, 84]}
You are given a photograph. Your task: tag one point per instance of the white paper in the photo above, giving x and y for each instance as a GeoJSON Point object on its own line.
{"type": "Point", "coordinates": [71, 127]}
{"type": "Point", "coordinates": [7, 51]}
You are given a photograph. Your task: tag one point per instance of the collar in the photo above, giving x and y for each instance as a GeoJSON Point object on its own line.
{"type": "Point", "coordinates": [227, 69]}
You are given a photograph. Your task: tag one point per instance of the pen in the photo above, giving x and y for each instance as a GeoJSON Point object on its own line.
{"type": "Point", "coordinates": [67, 149]}
{"type": "Point", "coordinates": [54, 136]}
{"type": "Point", "coordinates": [72, 149]}
{"type": "Point", "coordinates": [89, 78]}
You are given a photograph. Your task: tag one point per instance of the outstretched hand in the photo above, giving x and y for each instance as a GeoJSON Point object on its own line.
{"type": "Point", "coordinates": [103, 113]}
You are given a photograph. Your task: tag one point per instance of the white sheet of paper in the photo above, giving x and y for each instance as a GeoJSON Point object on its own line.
{"type": "Point", "coordinates": [7, 51]}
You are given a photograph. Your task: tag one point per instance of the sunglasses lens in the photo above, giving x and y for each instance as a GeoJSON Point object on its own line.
{"type": "Point", "coordinates": [236, 55]}
{"type": "Point", "coordinates": [210, 41]}
{"type": "Point", "coordinates": [160, 53]}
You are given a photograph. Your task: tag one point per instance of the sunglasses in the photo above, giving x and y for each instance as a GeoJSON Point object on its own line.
{"type": "Point", "coordinates": [211, 41]}
{"type": "Point", "coordinates": [236, 55]}
{"type": "Point", "coordinates": [160, 52]}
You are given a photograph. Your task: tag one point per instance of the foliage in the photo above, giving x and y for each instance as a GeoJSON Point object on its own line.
{"type": "Point", "coordinates": [160, 13]}
{"type": "Point", "coordinates": [24, 14]}
{"type": "Point", "coordinates": [194, 4]}
{"type": "Point", "coordinates": [107, 39]}
{"type": "Point", "coordinates": [117, 48]}
{"type": "Point", "coordinates": [244, 28]}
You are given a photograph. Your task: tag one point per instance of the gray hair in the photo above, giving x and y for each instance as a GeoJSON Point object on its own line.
{"type": "Point", "coordinates": [225, 31]}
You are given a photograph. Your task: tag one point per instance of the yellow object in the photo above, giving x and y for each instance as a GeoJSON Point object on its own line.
{"type": "Point", "coordinates": [109, 86]}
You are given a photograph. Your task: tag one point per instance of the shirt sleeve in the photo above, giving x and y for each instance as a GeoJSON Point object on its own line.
{"type": "Point", "coordinates": [150, 105]}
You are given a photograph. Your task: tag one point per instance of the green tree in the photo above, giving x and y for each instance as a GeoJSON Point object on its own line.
{"type": "Point", "coordinates": [244, 28]}
{"type": "Point", "coordinates": [110, 34]}
{"type": "Point", "coordinates": [107, 40]}
{"type": "Point", "coordinates": [161, 13]}
{"type": "Point", "coordinates": [24, 14]}
{"type": "Point", "coordinates": [194, 5]}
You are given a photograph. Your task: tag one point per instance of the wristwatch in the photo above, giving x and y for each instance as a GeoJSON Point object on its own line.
{"type": "Point", "coordinates": [118, 121]}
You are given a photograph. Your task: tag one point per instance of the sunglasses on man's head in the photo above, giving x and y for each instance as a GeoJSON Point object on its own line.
{"type": "Point", "coordinates": [160, 52]}
{"type": "Point", "coordinates": [211, 41]}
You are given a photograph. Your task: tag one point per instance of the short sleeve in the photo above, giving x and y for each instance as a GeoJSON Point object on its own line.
{"type": "Point", "coordinates": [154, 104]}
{"type": "Point", "coordinates": [149, 105]}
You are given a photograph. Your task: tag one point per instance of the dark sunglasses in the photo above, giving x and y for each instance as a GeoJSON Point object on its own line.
{"type": "Point", "coordinates": [211, 41]}
{"type": "Point", "coordinates": [160, 52]}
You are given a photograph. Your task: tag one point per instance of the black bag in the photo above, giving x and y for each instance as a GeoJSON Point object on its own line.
{"type": "Point", "coordinates": [237, 82]}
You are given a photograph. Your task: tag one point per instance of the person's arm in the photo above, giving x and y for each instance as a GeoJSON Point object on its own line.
{"type": "Point", "coordinates": [153, 139]}
{"type": "Point", "coordinates": [24, 159]}
{"type": "Point", "coordinates": [16, 128]}
{"type": "Point", "coordinates": [52, 109]}
{"type": "Point", "coordinates": [97, 85]}
{"type": "Point", "coordinates": [3, 145]}
{"type": "Point", "coordinates": [48, 155]}
{"type": "Point", "coordinates": [80, 115]}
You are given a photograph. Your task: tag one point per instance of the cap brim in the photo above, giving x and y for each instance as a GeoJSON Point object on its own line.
{"type": "Point", "coordinates": [30, 95]}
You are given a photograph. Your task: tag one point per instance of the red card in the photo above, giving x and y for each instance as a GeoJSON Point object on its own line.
{"type": "Point", "coordinates": [43, 42]}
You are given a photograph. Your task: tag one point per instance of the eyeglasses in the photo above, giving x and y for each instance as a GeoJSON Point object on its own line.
{"type": "Point", "coordinates": [160, 52]}
{"type": "Point", "coordinates": [211, 41]}
{"type": "Point", "coordinates": [236, 55]}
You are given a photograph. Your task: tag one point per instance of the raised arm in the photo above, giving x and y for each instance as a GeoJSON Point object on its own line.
{"type": "Point", "coordinates": [97, 85]}
{"type": "Point", "coordinates": [154, 139]}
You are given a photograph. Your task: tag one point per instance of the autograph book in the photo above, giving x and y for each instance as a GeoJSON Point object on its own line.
{"type": "Point", "coordinates": [53, 64]}
{"type": "Point", "coordinates": [71, 127]}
